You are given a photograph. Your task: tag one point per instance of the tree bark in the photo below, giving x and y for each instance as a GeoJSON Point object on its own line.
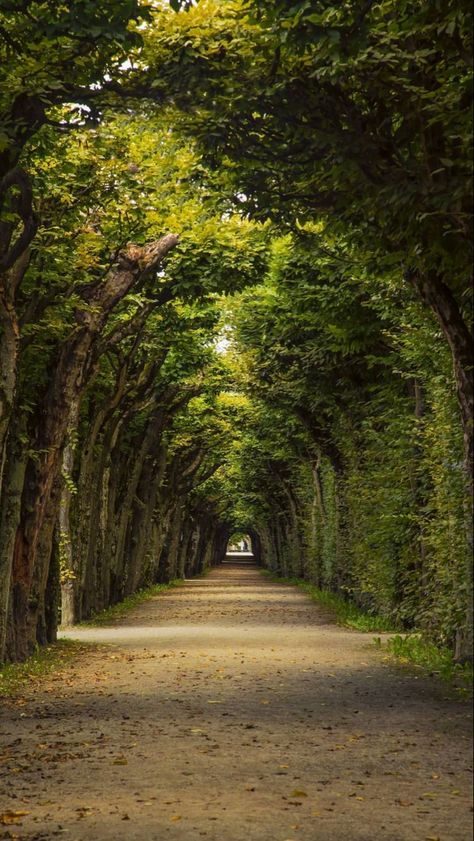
{"type": "Point", "coordinates": [9, 345]}
{"type": "Point", "coordinates": [64, 533]}
{"type": "Point", "coordinates": [10, 506]}
{"type": "Point", "coordinates": [318, 515]}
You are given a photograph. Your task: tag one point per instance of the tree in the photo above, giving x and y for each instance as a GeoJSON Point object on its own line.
{"type": "Point", "coordinates": [356, 115]}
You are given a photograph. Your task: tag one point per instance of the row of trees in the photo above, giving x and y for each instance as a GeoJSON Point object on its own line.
{"type": "Point", "coordinates": [234, 261]}
{"type": "Point", "coordinates": [117, 341]}
{"type": "Point", "coordinates": [110, 261]}
{"type": "Point", "coordinates": [351, 461]}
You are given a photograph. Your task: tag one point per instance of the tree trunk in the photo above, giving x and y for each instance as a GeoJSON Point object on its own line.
{"type": "Point", "coordinates": [18, 226]}
{"type": "Point", "coordinates": [9, 344]}
{"type": "Point", "coordinates": [68, 573]}
{"type": "Point", "coordinates": [318, 515]}
{"type": "Point", "coordinates": [10, 506]}
{"type": "Point", "coordinates": [92, 516]}
{"type": "Point", "coordinates": [175, 537]}
{"type": "Point", "coordinates": [127, 500]}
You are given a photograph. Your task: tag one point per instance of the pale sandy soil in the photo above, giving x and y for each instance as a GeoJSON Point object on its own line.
{"type": "Point", "coordinates": [231, 709]}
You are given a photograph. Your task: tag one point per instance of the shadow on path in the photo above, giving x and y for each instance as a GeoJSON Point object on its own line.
{"type": "Point", "coordinates": [232, 708]}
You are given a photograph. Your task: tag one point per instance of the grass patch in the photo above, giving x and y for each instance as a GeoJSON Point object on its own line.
{"type": "Point", "coordinates": [344, 613]}
{"type": "Point", "coordinates": [439, 662]}
{"type": "Point", "coordinates": [16, 677]}
{"type": "Point", "coordinates": [117, 611]}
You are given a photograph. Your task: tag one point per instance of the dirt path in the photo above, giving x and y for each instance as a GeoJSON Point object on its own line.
{"type": "Point", "coordinates": [231, 710]}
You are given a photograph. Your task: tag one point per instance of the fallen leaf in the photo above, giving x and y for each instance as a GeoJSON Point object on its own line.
{"type": "Point", "coordinates": [298, 793]}
{"type": "Point", "coordinates": [12, 817]}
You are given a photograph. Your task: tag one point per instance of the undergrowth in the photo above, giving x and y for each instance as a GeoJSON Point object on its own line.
{"type": "Point", "coordinates": [413, 649]}
{"type": "Point", "coordinates": [345, 613]}
{"type": "Point", "coordinates": [117, 611]}
{"type": "Point", "coordinates": [16, 677]}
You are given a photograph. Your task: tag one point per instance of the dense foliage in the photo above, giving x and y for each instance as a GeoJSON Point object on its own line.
{"type": "Point", "coordinates": [352, 457]}
{"type": "Point", "coordinates": [235, 252]}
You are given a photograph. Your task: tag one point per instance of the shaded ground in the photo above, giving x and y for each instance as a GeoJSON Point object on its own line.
{"type": "Point", "coordinates": [231, 709]}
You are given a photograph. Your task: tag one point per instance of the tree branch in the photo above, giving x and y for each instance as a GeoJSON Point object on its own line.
{"type": "Point", "coordinates": [22, 206]}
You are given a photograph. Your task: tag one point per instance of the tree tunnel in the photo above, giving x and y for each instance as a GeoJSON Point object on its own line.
{"type": "Point", "coordinates": [242, 546]}
{"type": "Point", "coordinates": [175, 368]}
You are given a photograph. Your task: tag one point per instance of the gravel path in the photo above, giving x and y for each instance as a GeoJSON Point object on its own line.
{"type": "Point", "coordinates": [232, 709]}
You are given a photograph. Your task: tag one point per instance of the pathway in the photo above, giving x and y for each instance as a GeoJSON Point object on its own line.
{"type": "Point", "coordinates": [231, 709]}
